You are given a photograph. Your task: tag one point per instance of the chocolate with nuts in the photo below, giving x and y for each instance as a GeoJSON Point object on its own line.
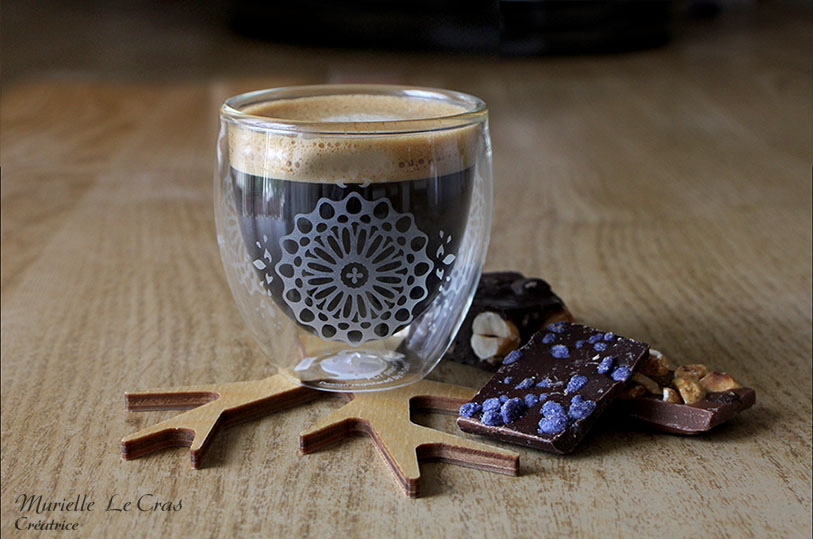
{"type": "Point", "coordinates": [678, 418]}
{"type": "Point", "coordinates": [688, 400]}
{"type": "Point", "coordinates": [549, 393]}
{"type": "Point", "coordinates": [506, 311]}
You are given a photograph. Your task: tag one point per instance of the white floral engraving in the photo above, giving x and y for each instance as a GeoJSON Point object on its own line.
{"type": "Point", "coordinates": [238, 264]}
{"type": "Point", "coordinates": [462, 273]}
{"type": "Point", "coordinates": [354, 270]}
{"type": "Point", "coordinates": [440, 259]}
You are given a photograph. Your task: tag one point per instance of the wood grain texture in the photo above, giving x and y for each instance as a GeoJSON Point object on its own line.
{"type": "Point", "coordinates": [665, 195]}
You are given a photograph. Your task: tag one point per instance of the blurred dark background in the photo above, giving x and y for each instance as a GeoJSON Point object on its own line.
{"type": "Point", "coordinates": [152, 39]}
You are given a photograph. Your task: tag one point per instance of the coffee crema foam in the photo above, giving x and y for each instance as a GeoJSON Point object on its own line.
{"type": "Point", "coordinates": [354, 158]}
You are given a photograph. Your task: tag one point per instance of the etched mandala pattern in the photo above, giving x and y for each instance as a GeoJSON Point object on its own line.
{"type": "Point", "coordinates": [354, 270]}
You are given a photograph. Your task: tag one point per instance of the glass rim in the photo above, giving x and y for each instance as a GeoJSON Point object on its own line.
{"type": "Point", "coordinates": [475, 111]}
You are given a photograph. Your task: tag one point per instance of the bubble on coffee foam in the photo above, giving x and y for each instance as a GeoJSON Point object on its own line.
{"type": "Point", "coordinates": [354, 158]}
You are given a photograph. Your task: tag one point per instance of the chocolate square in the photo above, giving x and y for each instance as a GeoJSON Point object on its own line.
{"type": "Point", "coordinates": [528, 303]}
{"type": "Point", "coordinates": [550, 392]}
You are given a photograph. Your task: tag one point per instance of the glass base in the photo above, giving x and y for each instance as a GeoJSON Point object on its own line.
{"type": "Point", "coordinates": [355, 370]}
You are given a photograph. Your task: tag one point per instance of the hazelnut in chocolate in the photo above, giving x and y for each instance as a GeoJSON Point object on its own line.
{"type": "Point", "coordinates": [506, 311]}
{"type": "Point", "coordinates": [687, 400]}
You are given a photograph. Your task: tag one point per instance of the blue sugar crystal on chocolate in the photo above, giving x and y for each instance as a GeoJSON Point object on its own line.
{"type": "Point", "coordinates": [492, 418]}
{"type": "Point", "coordinates": [553, 425]}
{"type": "Point", "coordinates": [621, 374]}
{"type": "Point", "coordinates": [548, 338]}
{"type": "Point", "coordinates": [560, 351]}
{"type": "Point", "coordinates": [554, 419]}
{"type": "Point", "coordinates": [580, 343]}
{"type": "Point", "coordinates": [528, 383]}
{"type": "Point", "coordinates": [503, 399]}
{"type": "Point", "coordinates": [508, 379]}
{"type": "Point", "coordinates": [512, 357]}
{"type": "Point", "coordinates": [577, 389]}
{"type": "Point", "coordinates": [605, 365]}
{"type": "Point", "coordinates": [609, 336]}
{"type": "Point", "coordinates": [580, 408]}
{"type": "Point", "coordinates": [512, 410]}
{"type": "Point", "coordinates": [576, 382]}
{"type": "Point", "coordinates": [489, 405]}
{"type": "Point", "coordinates": [600, 346]}
{"type": "Point", "coordinates": [470, 409]}
{"type": "Point", "coordinates": [557, 327]}
{"type": "Point", "coordinates": [552, 408]}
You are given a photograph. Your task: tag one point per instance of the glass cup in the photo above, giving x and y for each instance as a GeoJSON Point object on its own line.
{"type": "Point", "coordinates": [353, 223]}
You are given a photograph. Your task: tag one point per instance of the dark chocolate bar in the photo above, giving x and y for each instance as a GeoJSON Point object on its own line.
{"type": "Point", "coordinates": [527, 303]}
{"type": "Point", "coordinates": [679, 418]}
{"type": "Point", "coordinates": [551, 391]}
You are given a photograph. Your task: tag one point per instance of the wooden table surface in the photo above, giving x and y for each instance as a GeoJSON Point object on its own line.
{"type": "Point", "coordinates": [665, 195]}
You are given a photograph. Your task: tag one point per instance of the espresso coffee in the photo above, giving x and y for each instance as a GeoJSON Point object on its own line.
{"type": "Point", "coordinates": [353, 237]}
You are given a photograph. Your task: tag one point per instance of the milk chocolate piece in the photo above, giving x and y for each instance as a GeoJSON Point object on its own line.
{"type": "Point", "coordinates": [680, 418]}
{"type": "Point", "coordinates": [695, 418]}
{"type": "Point", "coordinates": [721, 397]}
{"type": "Point", "coordinates": [551, 391]}
{"type": "Point", "coordinates": [528, 303]}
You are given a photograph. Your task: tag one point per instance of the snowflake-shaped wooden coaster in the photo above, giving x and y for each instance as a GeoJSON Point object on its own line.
{"type": "Point", "coordinates": [215, 407]}
{"type": "Point", "coordinates": [383, 415]}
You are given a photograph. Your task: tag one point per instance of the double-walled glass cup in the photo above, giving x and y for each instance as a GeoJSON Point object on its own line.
{"type": "Point", "coordinates": [353, 222]}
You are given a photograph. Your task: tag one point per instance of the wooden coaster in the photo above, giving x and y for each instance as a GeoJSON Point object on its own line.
{"type": "Point", "coordinates": [215, 407]}
{"type": "Point", "coordinates": [385, 417]}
